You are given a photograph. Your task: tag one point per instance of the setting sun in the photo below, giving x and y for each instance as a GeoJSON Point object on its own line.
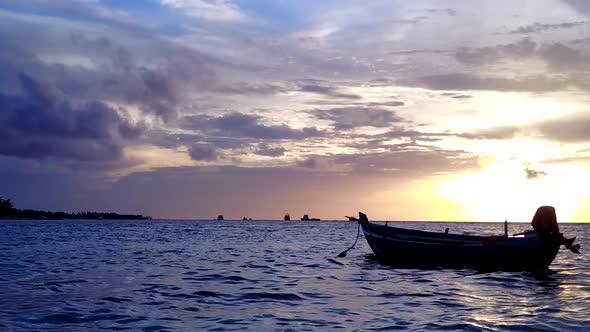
{"type": "Point", "coordinates": [509, 190]}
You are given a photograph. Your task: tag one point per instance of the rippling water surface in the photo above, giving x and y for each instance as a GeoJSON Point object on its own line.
{"type": "Point", "coordinates": [265, 276]}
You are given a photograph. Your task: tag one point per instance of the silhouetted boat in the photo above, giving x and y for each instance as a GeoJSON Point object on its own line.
{"type": "Point", "coordinates": [220, 217]}
{"type": "Point", "coordinates": [307, 218]}
{"type": "Point", "coordinates": [414, 248]}
{"type": "Point", "coordinates": [287, 217]}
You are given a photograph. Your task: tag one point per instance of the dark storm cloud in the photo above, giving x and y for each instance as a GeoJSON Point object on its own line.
{"type": "Point", "coordinates": [121, 75]}
{"type": "Point", "coordinates": [42, 123]}
{"type": "Point", "coordinates": [245, 126]}
{"type": "Point", "coordinates": [540, 27]}
{"type": "Point", "coordinates": [268, 151]}
{"type": "Point", "coordinates": [121, 66]}
{"type": "Point", "coordinates": [203, 152]}
{"type": "Point", "coordinates": [173, 140]}
{"type": "Point", "coordinates": [353, 117]}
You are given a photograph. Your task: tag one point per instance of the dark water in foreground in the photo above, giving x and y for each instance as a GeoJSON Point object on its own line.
{"type": "Point", "coordinates": [264, 276]}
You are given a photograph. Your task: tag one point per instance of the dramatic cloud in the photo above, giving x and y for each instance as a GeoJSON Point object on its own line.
{"type": "Point", "coordinates": [106, 69]}
{"type": "Point", "coordinates": [250, 89]}
{"type": "Point", "coordinates": [317, 88]}
{"type": "Point", "coordinates": [203, 152]}
{"type": "Point", "coordinates": [42, 123]}
{"type": "Point", "coordinates": [523, 48]}
{"type": "Point", "coordinates": [572, 129]}
{"type": "Point", "coordinates": [322, 164]}
{"type": "Point", "coordinates": [557, 56]}
{"type": "Point", "coordinates": [504, 132]}
{"type": "Point", "coordinates": [313, 90]}
{"type": "Point", "coordinates": [245, 125]}
{"type": "Point", "coordinates": [407, 160]}
{"type": "Point", "coordinates": [265, 150]}
{"type": "Point", "coordinates": [467, 82]}
{"type": "Point", "coordinates": [214, 10]}
{"type": "Point", "coordinates": [456, 95]}
{"type": "Point", "coordinates": [561, 57]}
{"type": "Point", "coordinates": [539, 27]}
{"type": "Point", "coordinates": [352, 117]}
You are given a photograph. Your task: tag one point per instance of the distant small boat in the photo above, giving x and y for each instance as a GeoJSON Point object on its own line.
{"type": "Point", "coordinates": [244, 218]}
{"type": "Point", "coordinates": [287, 217]}
{"type": "Point", "coordinates": [220, 217]}
{"type": "Point", "coordinates": [307, 218]}
{"type": "Point", "coordinates": [415, 248]}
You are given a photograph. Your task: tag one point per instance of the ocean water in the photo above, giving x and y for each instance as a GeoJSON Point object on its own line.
{"type": "Point", "coordinates": [266, 276]}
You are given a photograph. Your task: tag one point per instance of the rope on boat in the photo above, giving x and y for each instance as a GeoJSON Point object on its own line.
{"type": "Point", "coordinates": [358, 233]}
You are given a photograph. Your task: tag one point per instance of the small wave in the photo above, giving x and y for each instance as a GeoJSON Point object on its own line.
{"type": "Point", "coordinates": [100, 311]}
{"type": "Point", "coordinates": [154, 303]}
{"type": "Point", "coordinates": [116, 299]}
{"type": "Point", "coordinates": [219, 277]}
{"type": "Point", "coordinates": [66, 282]}
{"type": "Point", "coordinates": [272, 296]}
{"type": "Point", "coordinates": [208, 294]}
{"type": "Point", "coordinates": [457, 327]}
{"type": "Point", "coordinates": [131, 320]}
{"type": "Point", "coordinates": [71, 318]}
{"type": "Point", "coordinates": [390, 295]}
{"type": "Point", "coordinates": [191, 309]}
{"type": "Point", "coordinates": [390, 328]}
{"type": "Point", "coordinates": [155, 328]}
{"type": "Point", "coordinates": [234, 322]}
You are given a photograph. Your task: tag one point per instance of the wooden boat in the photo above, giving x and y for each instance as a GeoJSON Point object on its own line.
{"type": "Point", "coordinates": [421, 249]}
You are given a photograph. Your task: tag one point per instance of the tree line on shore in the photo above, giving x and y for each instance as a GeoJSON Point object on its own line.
{"type": "Point", "coordinates": [8, 211]}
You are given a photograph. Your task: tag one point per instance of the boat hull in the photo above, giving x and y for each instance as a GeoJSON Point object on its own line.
{"type": "Point", "coordinates": [411, 248]}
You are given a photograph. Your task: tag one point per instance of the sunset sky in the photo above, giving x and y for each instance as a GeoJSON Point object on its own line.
{"type": "Point", "coordinates": [406, 110]}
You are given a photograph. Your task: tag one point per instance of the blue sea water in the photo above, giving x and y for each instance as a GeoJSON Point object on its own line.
{"type": "Point", "coordinates": [265, 276]}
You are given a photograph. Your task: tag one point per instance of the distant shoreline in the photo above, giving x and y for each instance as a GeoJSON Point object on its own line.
{"type": "Point", "coordinates": [9, 212]}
